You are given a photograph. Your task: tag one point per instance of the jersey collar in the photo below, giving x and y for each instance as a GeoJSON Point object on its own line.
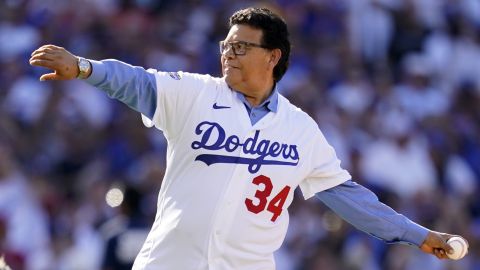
{"type": "Point", "coordinates": [271, 103]}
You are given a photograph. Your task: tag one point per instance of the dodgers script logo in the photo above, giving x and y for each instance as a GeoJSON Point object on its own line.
{"type": "Point", "coordinates": [263, 152]}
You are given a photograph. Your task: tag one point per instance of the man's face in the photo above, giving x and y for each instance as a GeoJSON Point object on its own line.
{"type": "Point", "coordinates": [253, 68]}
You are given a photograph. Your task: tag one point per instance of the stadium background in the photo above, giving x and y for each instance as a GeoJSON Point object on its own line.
{"type": "Point", "coordinates": [393, 84]}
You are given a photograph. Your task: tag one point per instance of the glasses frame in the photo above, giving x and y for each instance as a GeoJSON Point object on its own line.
{"type": "Point", "coordinates": [225, 46]}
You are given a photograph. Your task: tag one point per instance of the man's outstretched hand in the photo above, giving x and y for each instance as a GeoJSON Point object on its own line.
{"type": "Point", "coordinates": [61, 61]}
{"type": "Point", "coordinates": [436, 244]}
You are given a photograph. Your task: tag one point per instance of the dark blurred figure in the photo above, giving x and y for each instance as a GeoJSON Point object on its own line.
{"type": "Point", "coordinates": [125, 233]}
{"type": "Point", "coordinates": [13, 259]}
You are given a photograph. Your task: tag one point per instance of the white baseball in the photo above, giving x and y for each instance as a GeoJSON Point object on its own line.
{"type": "Point", "coordinates": [460, 247]}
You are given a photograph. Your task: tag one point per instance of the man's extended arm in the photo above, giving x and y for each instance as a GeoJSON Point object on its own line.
{"type": "Point", "coordinates": [132, 85]}
{"type": "Point", "coordinates": [361, 207]}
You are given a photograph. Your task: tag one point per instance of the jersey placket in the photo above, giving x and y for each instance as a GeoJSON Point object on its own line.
{"type": "Point", "coordinates": [234, 196]}
{"type": "Point", "coordinates": [230, 204]}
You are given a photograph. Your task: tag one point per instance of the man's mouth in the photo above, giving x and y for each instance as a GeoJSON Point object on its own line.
{"type": "Point", "coordinates": [226, 66]}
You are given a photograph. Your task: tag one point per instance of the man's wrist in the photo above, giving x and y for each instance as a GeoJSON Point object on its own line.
{"type": "Point", "coordinates": [416, 234]}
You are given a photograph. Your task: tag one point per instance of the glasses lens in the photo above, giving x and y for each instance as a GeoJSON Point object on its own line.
{"type": "Point", "coordinates": [239, 48]}
{"type": "Point", "coordinates": [221, 46]}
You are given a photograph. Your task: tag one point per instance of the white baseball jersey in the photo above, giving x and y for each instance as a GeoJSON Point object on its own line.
{"type": "Point", "coordinates": [224, 200]}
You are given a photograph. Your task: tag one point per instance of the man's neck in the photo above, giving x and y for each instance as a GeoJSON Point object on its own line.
{"type": "Point", "coordinates": [256, 98]}
{"type": "Point", "coordinates": [254, 102]}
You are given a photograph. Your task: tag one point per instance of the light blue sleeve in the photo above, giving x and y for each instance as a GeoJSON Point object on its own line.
{"type": "Point", "coordinates": [360, 207]}
{"type": "Point", "coordinates": [134, 86]}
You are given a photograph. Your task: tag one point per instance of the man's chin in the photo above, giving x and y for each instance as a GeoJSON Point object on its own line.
{"type": "Point", "coordinates": [230, 80]}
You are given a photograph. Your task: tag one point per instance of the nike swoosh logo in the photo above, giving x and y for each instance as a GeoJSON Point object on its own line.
{"type": "Point", "coordinates": [216, 107]}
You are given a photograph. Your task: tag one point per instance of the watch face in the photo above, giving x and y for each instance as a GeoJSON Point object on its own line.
{"type": "Point", "coordinates": [83, 67]}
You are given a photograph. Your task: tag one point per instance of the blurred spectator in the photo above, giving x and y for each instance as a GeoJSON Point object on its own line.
{"type": "Point", "coordinates": [25, 234]}
{"type": "Point", "coordinates": [125, 233]}
{"type": "Point", "coordinates": [416, 94]}
{"type": "Point", "coordinates": [400, 161]}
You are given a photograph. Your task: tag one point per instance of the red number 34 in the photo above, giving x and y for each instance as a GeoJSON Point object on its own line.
{"type": "Point", "coordinates": [276, 203]}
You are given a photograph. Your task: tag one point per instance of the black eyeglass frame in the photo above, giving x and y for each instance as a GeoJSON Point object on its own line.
{"type": "Point", "coordinates": [242, 50]}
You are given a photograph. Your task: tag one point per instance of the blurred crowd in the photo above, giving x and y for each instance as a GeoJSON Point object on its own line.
{"type": "Point", "coordinates": [393, 84]}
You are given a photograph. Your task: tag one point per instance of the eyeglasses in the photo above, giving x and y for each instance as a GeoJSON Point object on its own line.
{"type": "Point", "coordinates": [238, 47]}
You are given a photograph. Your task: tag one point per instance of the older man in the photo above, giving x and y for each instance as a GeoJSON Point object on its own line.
{"type": "Point", "coordinates": [237, 150]}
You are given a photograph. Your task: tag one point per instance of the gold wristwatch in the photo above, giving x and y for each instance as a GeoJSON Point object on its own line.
{"type": "Point", "coordinates": [84, 68]}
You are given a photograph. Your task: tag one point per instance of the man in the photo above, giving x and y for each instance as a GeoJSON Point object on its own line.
{"type": "Point", "coordinates": [237, 150]}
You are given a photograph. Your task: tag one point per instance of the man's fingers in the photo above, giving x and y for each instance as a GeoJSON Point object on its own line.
{"type": "Point", "coordinates": [448, 248]}
{"type": "Point", "coordinates": [43, 63]}
{"type": "Point", "coordinates": [44, 56]}
{"type": "Point", "coordinates": [443, 247]}
{"type": "Point", "coordinates": [50, 50]}
{"type": "Point", "coordinates": [42, 50]}
{"type": "Point", "coordinates": [442, 253]}
{"type": "Point", "coordinates": [50, 77]}
{"type": "Point", "coordinates": [439, 253]}
{"type": "Point", "coordinates": [49, 47]}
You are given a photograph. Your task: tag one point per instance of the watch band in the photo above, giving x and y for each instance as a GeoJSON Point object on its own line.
{"type": "Point", "coordinates": [84, 68]}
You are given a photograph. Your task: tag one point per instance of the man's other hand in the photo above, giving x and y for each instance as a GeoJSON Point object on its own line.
{"type": "Point", "coordinates": [436, 244]}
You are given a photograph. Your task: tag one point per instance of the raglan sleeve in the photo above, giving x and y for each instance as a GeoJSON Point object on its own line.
{"type": "Point", "coordinates": [164, 99]}
{"type": "Point", "coordinates": [177, 95]}
{"type": "Point", "coordinates": [324, 167]}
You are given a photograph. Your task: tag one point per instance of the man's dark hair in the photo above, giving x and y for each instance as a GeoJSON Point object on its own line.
{"type": "Point", "coordinates": [275, 33]}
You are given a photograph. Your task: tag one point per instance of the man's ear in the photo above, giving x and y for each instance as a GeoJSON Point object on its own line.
{"type": "Point", "coordinates": [275, 57]}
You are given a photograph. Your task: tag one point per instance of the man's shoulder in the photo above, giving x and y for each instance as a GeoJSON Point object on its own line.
{"type": "Point", "coordinates": [295, 113]}
{"type": "Point", "coordinates": [290, 108]}
{"type": "Point", "coordinates": [188, 77]}
{"type": "Point", "coordinates": [206, 77]}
